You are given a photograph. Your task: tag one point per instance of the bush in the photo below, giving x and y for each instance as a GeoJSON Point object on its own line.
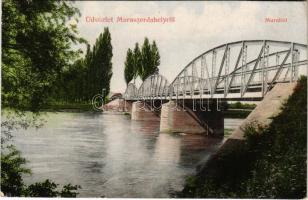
{"type": "Point", "coordinates": [280, 170]}
{"type": "Point", "coordinates": [43, 189]}
{"type": "Point", "coordinates": [48, 189]}
{"type": "Point", "coordinates": [12, 169]}
{"type": "Point", "coordinates": [239, 105]}
{"type": "Point", "coordinates": [68, 190]}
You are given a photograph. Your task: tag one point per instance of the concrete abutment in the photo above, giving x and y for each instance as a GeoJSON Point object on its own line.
{"type": "Point", "coordinates": [142, 112]}
{"type": "Point", "coordinates": [176, 118]}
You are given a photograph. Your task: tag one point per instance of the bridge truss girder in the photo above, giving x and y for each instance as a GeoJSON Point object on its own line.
{"type": "Point", "coordinates": [155, 85]}
{"type": "Point", "coordinates": [237, 70]}
{"type": "Point", "coordinates": [234, 68]}
{"type": "Point", "coordinates": [131, 91]}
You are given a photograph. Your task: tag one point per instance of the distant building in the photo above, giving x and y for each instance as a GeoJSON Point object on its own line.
{"type": "Point", "coordinates": [115, 96]}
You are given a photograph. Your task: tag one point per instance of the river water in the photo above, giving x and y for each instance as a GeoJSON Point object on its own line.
{"type": "Point", "coordinates": [111, 156]}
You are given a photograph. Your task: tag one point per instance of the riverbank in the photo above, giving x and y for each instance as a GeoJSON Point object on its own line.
{"type": "Point", "coordinates": [270, 163]}
{"type": "Point", "coordinates": [68, 107]}
{"type": "Point", "coordinates": [237, 113]}
{"type": "Point", "coordinates": [82, 107]}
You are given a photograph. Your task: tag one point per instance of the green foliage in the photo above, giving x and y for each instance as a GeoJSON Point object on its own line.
{"type": "Point", "coordinates": [60, 106]}
{"type": "Point", "coordinates": [36, 40]}
{"type": "Point", "coordinates": [68, 190]}
{"type": "Point", "coordinates": [36, 52]}
{"type": "Point", "coordinates": [38, 64]}
{"type": "Point", "coordinates": [238, 110]}
{"type": "Point", "coordinates": [143, 63]}
{"type": "Point", "coordinates": [228, 132]}
{"type": "Point", "coordinates": [242, 114]}
{"type": "Point", "coordinates": [44, 189]}
{"type": "Point", "coordinates": [129, 72]}
{"type": "Point", "coordinates": [12, 169]}
{"type": "Point", "coordinates": [101, 65]}
{"type": "Point", "coordinates": [146, 58]}
{"type": "Point", "coordinates": [191, 181]}
{"type": "Point", "coordinates": [280, 170]}
{"type": "Point", "coordinates": [48, 189]}
{"type": "Point", "coordinates": [239, 105]}
{"type": "Point", "coordinates": [270, 163]}
{"type": "Point", "coordinates": [155, 57]}
{"type": "Point", "coordinates": [137, 60]}
{"type": "Point", "coordinates": [150, 59]}
{"type": "Point", "coordinates": [87, 77]}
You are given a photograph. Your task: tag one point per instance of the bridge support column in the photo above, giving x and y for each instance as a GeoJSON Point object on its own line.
{"type": "Point", "coordinates": [174, 118]}
{"type": "Point", "coordinates": [143, 113]}
{"type": "Point", "coordinates": [128, 106]}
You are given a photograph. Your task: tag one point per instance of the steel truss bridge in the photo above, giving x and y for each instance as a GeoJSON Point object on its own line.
{"type": "Point", "coordinates": [242, 70]}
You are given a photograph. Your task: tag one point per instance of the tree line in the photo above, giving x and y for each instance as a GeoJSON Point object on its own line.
{"type": "Point", "coordinates": [141, 62]}
{"type": "Point", "coordinates": [36, 49]}
{"type": "Point", "coordinates": [88, 76]}
{"type": "Point", "coordinates": [40, 66]}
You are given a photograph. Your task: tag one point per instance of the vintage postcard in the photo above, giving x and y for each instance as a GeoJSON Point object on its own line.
{"type": "Point", "coordinates": [154, 99]}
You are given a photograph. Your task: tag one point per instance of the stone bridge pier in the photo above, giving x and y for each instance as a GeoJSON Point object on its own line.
{"type": "Point", "coordinates": [191, 117]}
{"type": "Point", "coordinates": [128, 106]}
{"type": "Point", "coordinates": [146, 110]}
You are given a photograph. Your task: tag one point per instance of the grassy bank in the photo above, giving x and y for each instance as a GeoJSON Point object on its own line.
{"type": "Point", "coordinates": [239, 105]}
{"type": "Point", "coordinates": [270, 163]}
{"type": "Point", "coordinates": [241, 114]}
{"type": "Point", "coordinates": [228, 132]}
{"type": "Point", "coordinates": [68, 107]}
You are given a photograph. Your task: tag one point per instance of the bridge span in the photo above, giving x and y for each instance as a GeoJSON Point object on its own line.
{"type": "Point", "coordinates": [237, 71]}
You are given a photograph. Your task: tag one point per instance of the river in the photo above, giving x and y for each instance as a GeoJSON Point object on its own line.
{"type": "Point", "coordinates": [111, 156]}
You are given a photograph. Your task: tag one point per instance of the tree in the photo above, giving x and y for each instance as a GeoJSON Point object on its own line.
{"type": "Point", "coordinates": [129, 70]}
{"type": "Point", "coordinates": [150, 59]}
{"type": "Point", "coordinates": [36, 50]}
{"type": "Point", "coordinates": [106, 66]}
{"type": "Point", "coordinates": [12, 169]}
{"type": "Point", "coordinates": [155, 57]}
{"type": "Point", "coordinates": [137, 60]}
{"type": "Point", "coordinates": [146, 57]}
{"type": "Point", "coordinates": [36, 43]}
{"type": "Point", "coordinates": [145, 62]}
{"type": "Point", "coordinates": [101, 65]}
{"type": "Point", "coordinates": [87, 63]}
{"type": "Point", "coordinates": [87, 76]}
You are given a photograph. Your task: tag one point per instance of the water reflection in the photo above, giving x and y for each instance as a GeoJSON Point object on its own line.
{"type": "Point", "coordinates": [112, 156]}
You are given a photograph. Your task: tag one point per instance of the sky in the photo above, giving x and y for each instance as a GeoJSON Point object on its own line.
{"type": "Point", "coordinates": [198, 27]}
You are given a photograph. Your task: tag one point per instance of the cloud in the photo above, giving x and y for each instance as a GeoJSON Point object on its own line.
{"type": "Point", "coordinates": [199, 26]}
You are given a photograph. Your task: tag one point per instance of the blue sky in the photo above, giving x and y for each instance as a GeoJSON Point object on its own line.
{"type": "Point", "coordinates": [198, 26]}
